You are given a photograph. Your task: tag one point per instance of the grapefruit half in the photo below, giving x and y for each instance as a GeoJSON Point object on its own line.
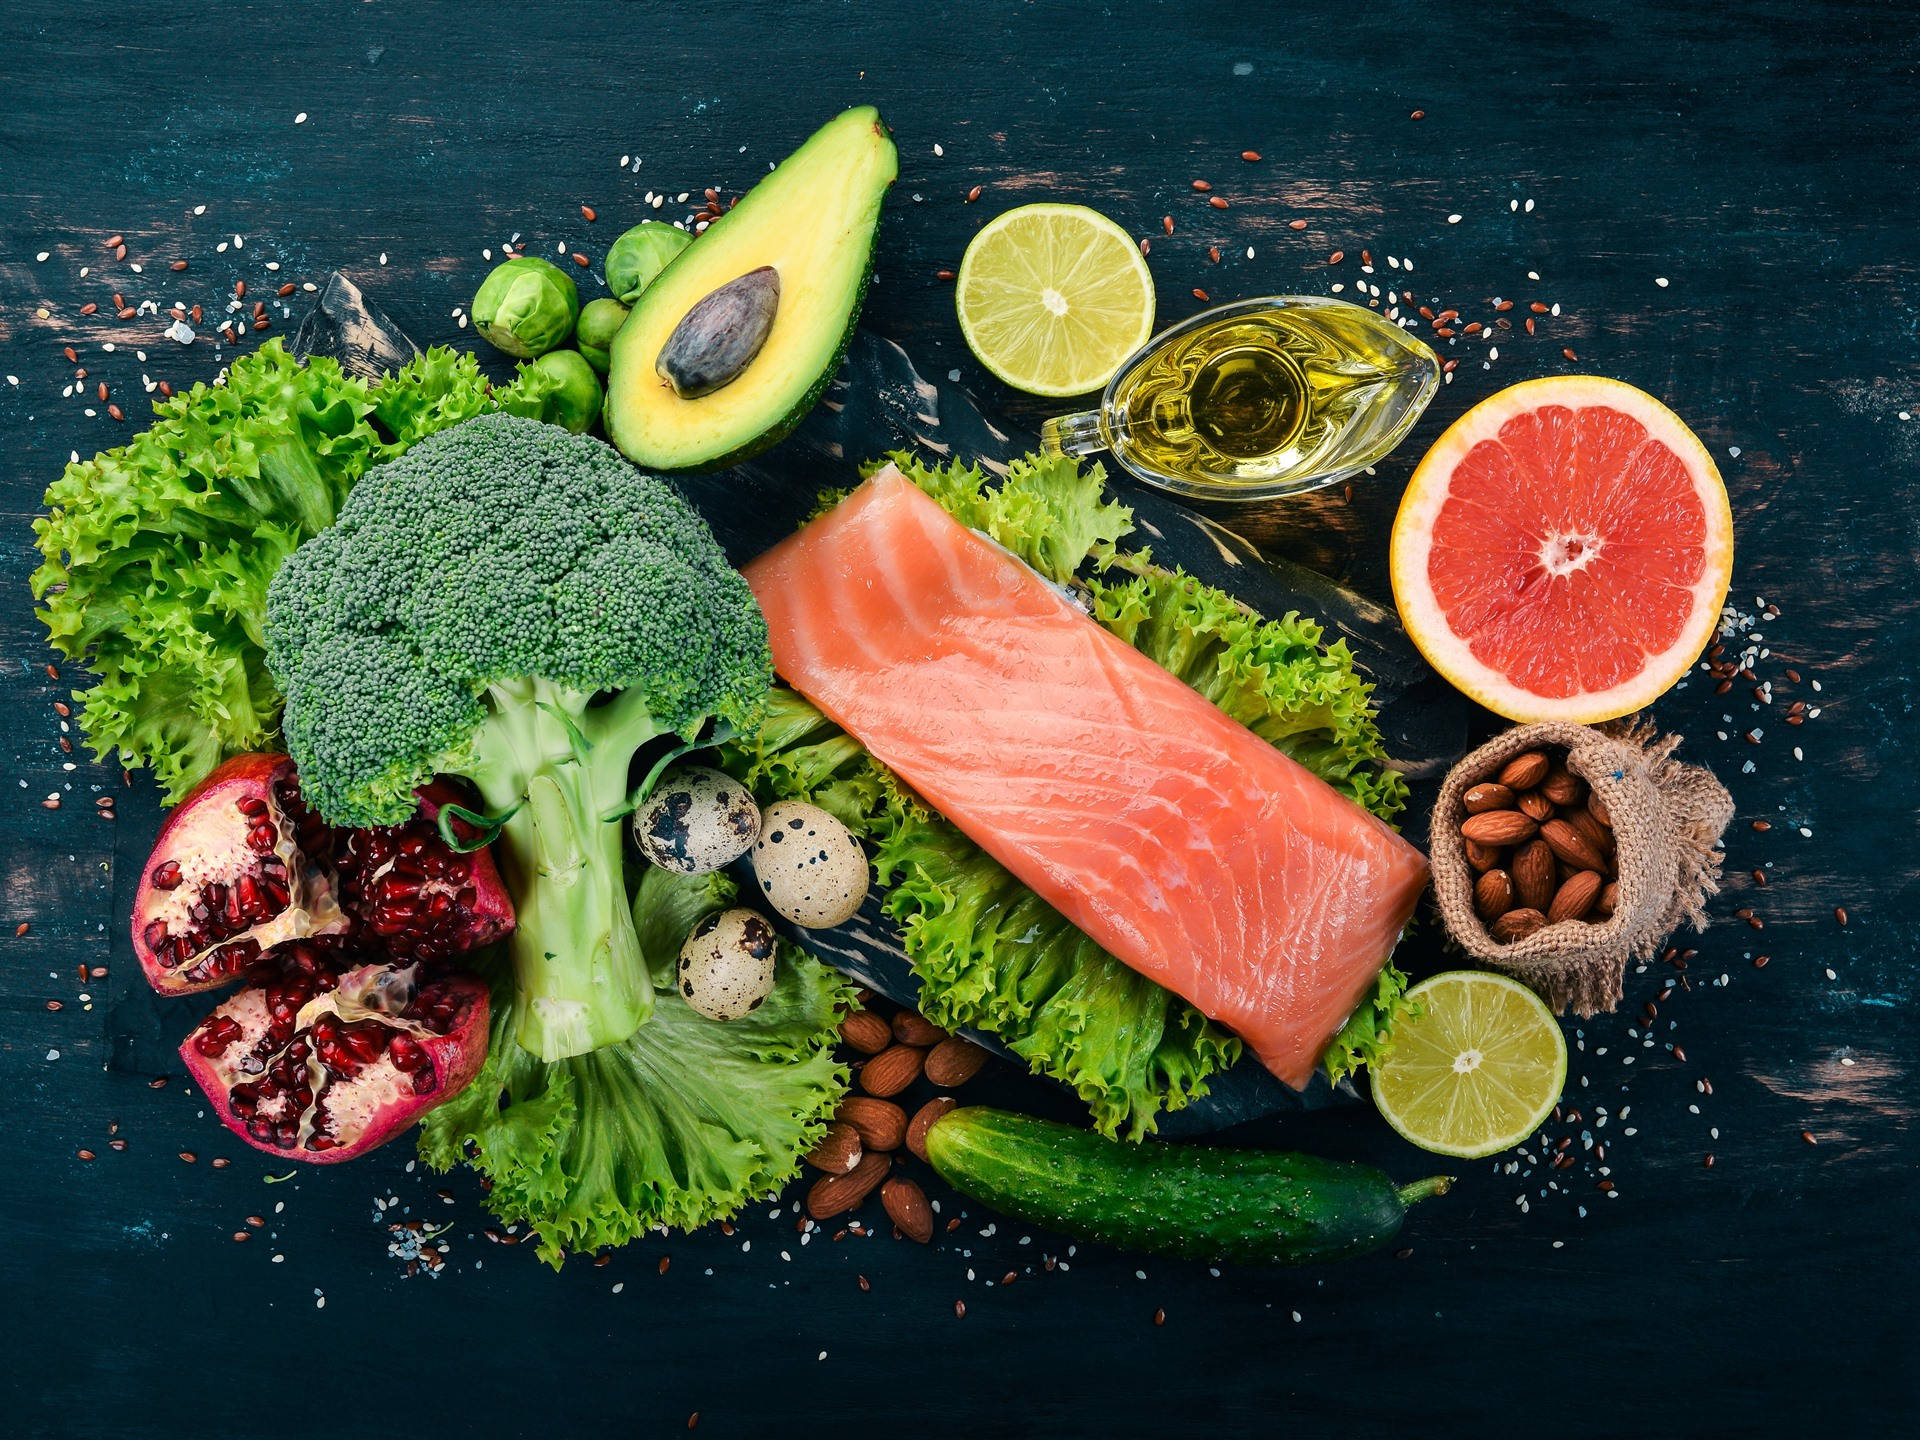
{"type": "Point", "coordinates": [1563, 551]}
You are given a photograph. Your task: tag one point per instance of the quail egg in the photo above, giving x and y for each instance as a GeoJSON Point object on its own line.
{"type": "Point", "coordinates": [810, 867]}
{"type": "Point", "coordinates": [696, 821]}
{"type": "Point", "coordinates": [726, 964]}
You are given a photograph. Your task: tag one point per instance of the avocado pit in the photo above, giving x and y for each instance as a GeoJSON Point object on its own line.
{"type": "Point", "coordinates": [717, 339]}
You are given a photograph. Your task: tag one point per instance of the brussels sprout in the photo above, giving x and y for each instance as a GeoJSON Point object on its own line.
{"type": "Point", "coordinates": [561, 389]}
{"type": "Point", "coordinates": [600, 321]}
{"type": "Point", "coordinates": [526, 307]}
{"type": "Point", "coordinates": [641, 254]}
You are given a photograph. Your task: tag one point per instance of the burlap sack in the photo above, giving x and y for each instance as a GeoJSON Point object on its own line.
{"type": "Point", "coordinates": [1667, 822]}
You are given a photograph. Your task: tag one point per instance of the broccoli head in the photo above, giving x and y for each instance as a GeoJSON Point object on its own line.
{"type": "Point", "coordinates": [519, 606]}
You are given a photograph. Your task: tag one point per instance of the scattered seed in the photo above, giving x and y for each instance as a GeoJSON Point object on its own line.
{"type": "Point", "coordinates": [1762, 825]}
{"type": "Point", "coordinates": [88, 308]}
{"type": "Point", "coordinates": [1337, 256]}
{"type": "Point", "coordinates": [973, 194]}
{"type": "Point", "coordinates": [1707, 1163]}
{"type": "Point", "coordinates": [665, 1261]}
{"type": "Point", "coordinates": [865, 1286]}
{"type": "Point", "coordinates": [1202, 186]}
{"type": "Point", "coordinates": [188, 1156]}
{"type": "Point", "coordinates": [1418, 115]}
{"type": "Point", "coordinates": [1200, 294]}
{"type": "Point", "coordinates": [1159, 1317]}
{"type": "Point", "coordinates": [587, 214]}
{"type": "Point", "coordinates": [946, 274]}
{"type": "Point", "coordinates": [178, 266]}
{"type": "Point", "coordinates": [1217, 203]}
{"type": "Point", "coordinates": [114, 241]}
{"type": "Point", "coordinates": [20, 929]}
{"type": "Point", "coordinates": [1840, 914]}
{"type": "Point", "coordinates": [1807, 1135]}
{"type": "Point", "coordinates": [55, 1005]}
{"type": "Point", "coordinates": [1146, 246]}
{"type": "Point", "coordinates": [1166, 223]}
{"type": "Point", "coordinates": [1213, 254]}
{"type": "Point", "coordinates": [285, 290]}
{"type": "Point", "coordinates": [1569, 354]}
{"type": "Point", "coordinates": [84, 1154]}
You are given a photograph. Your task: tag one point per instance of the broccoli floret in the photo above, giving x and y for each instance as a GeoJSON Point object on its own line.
{"type": "Point", "coordinates": [519, 606]}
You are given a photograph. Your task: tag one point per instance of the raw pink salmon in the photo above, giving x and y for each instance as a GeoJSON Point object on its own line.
{"type": "Point", "coordinates": [1174, 836]}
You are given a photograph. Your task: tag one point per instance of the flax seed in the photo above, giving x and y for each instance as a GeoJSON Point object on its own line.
{"type": "Point", "coordinates": [1252, 157]}
{"type": "Point", "coordinates": [1201, 295]}
{"type": "Point", "coordinates": [587, 212]}
{"type": "Point", "coordinates": [1217, 203]}
{"type": "Point", "coordinates": [973, 194]}
{"type": "Point", "coordinates": [178, 266]}
{"type": "Point", "coordinates": [1840, 914]}
{"type": "Point", "coordinates": [88, 308]}
{"type": "Point", "coordinates": [1569, 354]}
{"type": "Point", "coordinates": [1202, 186]}
{"type": "Point", "coordinates": [239, 289]}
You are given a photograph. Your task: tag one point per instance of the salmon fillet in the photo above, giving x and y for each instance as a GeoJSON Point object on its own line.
{"type": "Point", "coordinates": [1171, 834]}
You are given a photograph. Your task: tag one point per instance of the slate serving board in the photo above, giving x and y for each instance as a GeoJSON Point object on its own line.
{"type": "Point", "coordinates": [880, 402]}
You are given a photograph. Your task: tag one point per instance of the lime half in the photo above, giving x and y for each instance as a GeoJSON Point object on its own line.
{"type": "Point", "coordinates": [1053, 297]}
{"type": "Point", "coordinates": [1478, 1071]}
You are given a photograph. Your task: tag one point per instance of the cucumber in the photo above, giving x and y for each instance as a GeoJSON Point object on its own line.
{"type": "Point", "coordinates": [1190, 1201]}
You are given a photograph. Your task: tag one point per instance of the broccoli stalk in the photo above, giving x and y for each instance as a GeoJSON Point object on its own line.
{"type": "Point", "coordinates": [556, 765]}
{"type": "Point", "coordinates": [519, 606]}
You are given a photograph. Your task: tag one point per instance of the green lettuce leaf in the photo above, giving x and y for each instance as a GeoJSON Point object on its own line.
{"type": "Point", "coordinates": [991, 955]}
{"type": "Point", "coordinates": [155, 557]}
{"type": "Point", "coordinates": [681, 1124]}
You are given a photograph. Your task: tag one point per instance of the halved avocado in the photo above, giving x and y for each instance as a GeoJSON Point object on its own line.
{"type": "Point", "coordinates": [813, 219]}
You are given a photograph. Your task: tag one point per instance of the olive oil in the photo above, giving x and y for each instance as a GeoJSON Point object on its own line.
{"type": "Point", "coordinates": [1266, 397]}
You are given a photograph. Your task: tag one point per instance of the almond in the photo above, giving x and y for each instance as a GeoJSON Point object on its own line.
{"type": "Point", "coordinates": [954, 1061]}
{"type": "Point", "coordinates": [1563, 787]}
{"type": "Point", "coordinates": [1571, 846]}
{"type": "Point", "coordinates": [880, 1124]}
{"type": "Point", "coordinates": [838, 1151]}
{"type": "Point", "coordinates": [1482, 857]}
{"type": "Point", "coordinates": [833, 1195]}
{"type": "Point", "coordinates": [912, 1028]}
{"type": "Point", "coordinates": [1575, 896]}
{"type": "Point", "coordinates": [906, 1205]}
{"type": "Point", "coordinates": [1516, 925]}
{"type": "Point", "coordinates": [1534, 805]}
{"type": "Point", "coordinates": [923, 1119]}
{"type": "Point", "coordinates": [892, 1070]}
{"type": "Point", "coordinates": [1597, 808]}
{"type": "Point", "coordinates": [866, 1032]}
{"type": "Point", "coordinates": [1488, 797]}
{"type": "Point", "coordinates": [1596, 834]}
{"type": "Point", "coordinates": [1523, 772]}
{"type": "Point", "coordinates": [1493, 895]}
{"type": "Point", "coordinates": [1498, 828]}
{"type": "Point", "coordinates": [1533, 877]}
{"type": "Point", "coordinates": [1609, 898]}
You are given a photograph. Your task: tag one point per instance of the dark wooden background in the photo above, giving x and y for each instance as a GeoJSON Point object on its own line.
{"type": "Point", "coordinates": [1758, 156]}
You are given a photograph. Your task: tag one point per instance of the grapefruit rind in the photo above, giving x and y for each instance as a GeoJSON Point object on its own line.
{"type": "Point", "coordinates": [1448, 651]}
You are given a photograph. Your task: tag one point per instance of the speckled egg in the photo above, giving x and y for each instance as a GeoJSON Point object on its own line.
{"type": "Point", "coordinates": [810, 867]}
{"type": "Point", "coordinates": [696, 821]}
{"type": "Point", "coordinates": [726, 964]}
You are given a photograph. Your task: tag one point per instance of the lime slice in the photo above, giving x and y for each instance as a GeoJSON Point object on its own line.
{"type": "Point", "coordinates": [1476, 1072]}
{"type": "Point", "coordinates": [1053, 297]}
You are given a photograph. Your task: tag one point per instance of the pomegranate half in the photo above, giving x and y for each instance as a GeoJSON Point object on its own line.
{"type": "Point", "coordinates": [243, 867]}
{"type": "Point", "coordinates": [321, 1066]}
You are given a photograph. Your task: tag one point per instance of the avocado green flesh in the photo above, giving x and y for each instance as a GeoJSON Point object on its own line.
{"type": "Point", "coordinates": [813, 219]}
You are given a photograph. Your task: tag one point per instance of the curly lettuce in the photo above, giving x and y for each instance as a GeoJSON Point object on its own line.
{"type": "Point", "coordinates": [681, 1124]}
{"type": "Point", "coordinates": [992, 956]}
{"type": "Point", "coordinates": [155, 556]}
